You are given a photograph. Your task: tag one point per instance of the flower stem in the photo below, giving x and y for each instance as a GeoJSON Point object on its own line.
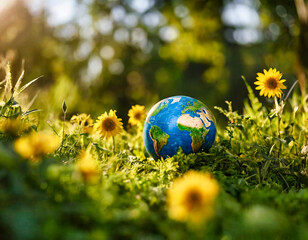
{"type": "Point", "coordinates": [278, 110]}
{"type": "Point", "coordinates": [64, 109]}
{"type": "Point", "coordinates": [278, 127]}
{"type": "Point", "coordinates": [276, 104]}
{"type": "Point", "coordinates": [113, 142]}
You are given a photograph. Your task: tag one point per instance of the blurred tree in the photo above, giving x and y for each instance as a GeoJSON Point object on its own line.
{"type": "Point", "coordinates": [286, 32]}
{"type": "Point", "coordinates": [113, 54]}
{"type": "Point", "coordinates": [123, 52]}
{"type": "Point", "coordinates": [302, 13]}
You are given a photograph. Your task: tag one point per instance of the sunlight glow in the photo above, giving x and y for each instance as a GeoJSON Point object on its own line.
{"type": "Point", "coordinates": [59, 11]}
{"type": "Point", "coordinates": [6, 4]}
{"type": "Point", "coordinates": [244, 21]}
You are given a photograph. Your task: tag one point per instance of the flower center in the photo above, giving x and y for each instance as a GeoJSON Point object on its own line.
{"type": "Point", "coordinates": [193, 199]}
{"type": "Point", "coordinates": [271, 83]}
{"type": "Point", "coordinates": [108, 124]}
{"type": "Point", "coordinates": [86, 123]}
{"type": "Point", "coordinates": [137, 116]}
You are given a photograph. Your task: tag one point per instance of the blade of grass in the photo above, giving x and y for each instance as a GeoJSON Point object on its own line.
{"type": "Point", "coordinates": [293, 86]}
{"type": "Point", "coordinates": [31, 102]}
{"type": "Point", "coordinates": [254, 101]}
{"type": "Point", "coordinates": [31, 111]}
{"type": "Point", "coordinates": [8, 82]}
{"type": "Point", "coordinates": [18, 83]}
{"type": "Point", "coordinates": [27, 85]}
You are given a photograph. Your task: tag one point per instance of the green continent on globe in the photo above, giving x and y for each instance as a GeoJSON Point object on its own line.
{"type": "Point", "coordinates": [196, 129]}
{"type": "Point", "coordinates": [194, 106]}
{"type": "Point", "coordinates": [159, 138]}
{"type": "Point", "coordinates": [159, 108]}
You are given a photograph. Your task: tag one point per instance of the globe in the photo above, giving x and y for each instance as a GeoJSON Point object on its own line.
{"type": "Point", "coordinates": [178, 122]}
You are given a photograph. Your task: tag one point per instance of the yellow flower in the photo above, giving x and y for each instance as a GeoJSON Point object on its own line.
{"type": "Point", "coordinates": [270, 83]}
{"type": "Point", "coordinates": [12, 126]}
{"type": "Point", "coordinates": [136, 115]}
{"type": "Point", "coordinates": [36, 145]}
{"type": "Point", "coordinates": [191, 198]}
{"type": "Point", "coordinates": [88, 167]}
{"type": "Point", "coordinates": [108, 125]}
{"type": "Point", "coordinates": [84, 121]}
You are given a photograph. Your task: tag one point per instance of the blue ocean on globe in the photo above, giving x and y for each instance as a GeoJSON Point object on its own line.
{"type": "Point", "coordinates": [175, 122]}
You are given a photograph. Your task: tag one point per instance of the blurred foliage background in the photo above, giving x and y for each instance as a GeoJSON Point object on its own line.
{"type": "Point", "coordinates": [103, 54]}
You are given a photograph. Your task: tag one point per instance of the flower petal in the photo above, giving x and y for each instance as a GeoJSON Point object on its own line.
{"type": "Point", "coordinates": [258, 83]}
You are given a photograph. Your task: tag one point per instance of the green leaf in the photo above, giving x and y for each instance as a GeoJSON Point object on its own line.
{"type": "Point", "coordinates": [254, 101]}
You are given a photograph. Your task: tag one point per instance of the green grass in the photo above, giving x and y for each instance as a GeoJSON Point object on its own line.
{"type": "Point", "coordinates": [262, 175]}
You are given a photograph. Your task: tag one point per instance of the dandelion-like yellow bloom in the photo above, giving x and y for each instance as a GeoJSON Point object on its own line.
{"type": "Point", "coordinates": [84, 121]}
{"type": "Point", "coordinates": [136, 115]}
{"type": "Point", "coordinates": [270, 83]}
{"type": "Point", "coordinates": [88, 167]}
{"type": "Point", "coordinates": [191, 198]}
{"type": "Point", "coordinates": [108, 125]}
{"type": "Point", "coordinates": [36, 145]}
{"type": "Point", "coordinates": [12, 126]}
